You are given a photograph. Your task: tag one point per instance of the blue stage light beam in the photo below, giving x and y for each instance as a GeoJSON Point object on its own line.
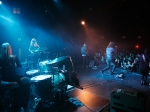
{"type": "Point", "coordinates": [0, 2]}
{"type": "Point", "coordinates": [55, 0]}
{"type": "Point", "coordinates": [6, 18]}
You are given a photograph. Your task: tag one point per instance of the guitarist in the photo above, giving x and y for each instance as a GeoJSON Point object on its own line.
{"type": "Point", "coordinates": [144, 61]}
{"type": "Point", "coordinates": [33, 49]}
{"type": "Point", "coordinates": [85, 53]}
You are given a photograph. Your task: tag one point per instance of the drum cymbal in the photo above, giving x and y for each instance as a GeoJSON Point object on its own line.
{"type": "Point", "coordinates": [56, 60]}
{"type": "Point", "coordinates": [31, 72]}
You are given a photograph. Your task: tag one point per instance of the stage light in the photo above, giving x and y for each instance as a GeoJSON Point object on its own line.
{"type": "Point", "coordinates": [0, 2]}
{"type": "Point", "coordinates": [137, 46]}
{"type": "Point", "coordinates": [82, 22]}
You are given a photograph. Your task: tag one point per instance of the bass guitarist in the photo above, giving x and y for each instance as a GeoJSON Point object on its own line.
{"type": "Point", "coordinates": [85, 53]}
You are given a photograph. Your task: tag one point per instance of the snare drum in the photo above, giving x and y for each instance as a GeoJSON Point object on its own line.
{"type": "Point", "coordinates": [41, 86]}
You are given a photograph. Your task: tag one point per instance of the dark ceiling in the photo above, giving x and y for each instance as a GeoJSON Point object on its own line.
{"type": "Point", "coordinates": [117, 18]}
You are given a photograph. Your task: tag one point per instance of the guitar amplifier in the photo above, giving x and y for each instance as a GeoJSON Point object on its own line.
{"type": "Point", "coordinates": [127, 101]}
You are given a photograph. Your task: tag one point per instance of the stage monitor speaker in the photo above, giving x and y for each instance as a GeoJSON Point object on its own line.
{"type": "Point", "coordinates": [127, 101]}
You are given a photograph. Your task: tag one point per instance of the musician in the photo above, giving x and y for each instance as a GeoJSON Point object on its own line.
{"type": "Point", "coordinates": [33, 48]}
{"type": "Point", "coordinates": [8, 62]}
{"type": "Point", "coordinates": [111, 50]}
{"type": "Point", "coordinates": [10, 80]}
{"type": "Point", "coordinates": [84, 53]}
{"type": "Point", "coordinates": [144, 64]}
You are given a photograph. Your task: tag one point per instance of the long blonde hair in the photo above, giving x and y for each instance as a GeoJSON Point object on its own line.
{"type": "Point", "coordinates": [6, 50]}
{"type": "Point", "coordinates": [34, 42]}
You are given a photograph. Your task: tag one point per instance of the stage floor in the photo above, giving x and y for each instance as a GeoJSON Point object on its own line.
{"type": "Point", "coordinates": [97, 88]}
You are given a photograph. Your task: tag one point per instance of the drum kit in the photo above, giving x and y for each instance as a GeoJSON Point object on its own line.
{"type": "Point", "coordinates": [47, 79]}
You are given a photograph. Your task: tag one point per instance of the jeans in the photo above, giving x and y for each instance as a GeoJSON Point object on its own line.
{"type": "Point", "coordinates": [85, 61]}
{"type": "Point", "coordinates": [144, 75]}
{"type": "Point", "coordinates": [109, 64]}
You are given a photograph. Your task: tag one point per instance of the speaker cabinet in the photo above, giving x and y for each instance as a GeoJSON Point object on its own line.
{"type": "Point", "coordinates": [127, 101]}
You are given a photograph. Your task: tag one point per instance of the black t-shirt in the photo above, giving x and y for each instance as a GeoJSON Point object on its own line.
{"type": "Point", "coordinates": [142, 64]}
{"type": "Point", "coordinates": [33, 48]}
{"type": "Point", "coordinates": [8, 66]}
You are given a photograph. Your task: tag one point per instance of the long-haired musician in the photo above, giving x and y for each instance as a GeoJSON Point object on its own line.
{"type": "Point", "coordinates": [34, 50]}
{"type": "Point", "coordinates": [111, 50]}
{"type": "Point", "coordinates": [11, 81]}
{"type": "Point", "coordinates": [34, 46]}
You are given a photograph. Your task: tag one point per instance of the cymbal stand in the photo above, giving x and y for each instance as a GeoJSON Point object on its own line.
{"type": "Point", "coordinates": [71, 62]}
{"type": "Point", "coordinates": [53, 78]}
{"type": "Point", "coordinates": [40, 54]}
{"type": "Point", "coordinates": [26, 65]}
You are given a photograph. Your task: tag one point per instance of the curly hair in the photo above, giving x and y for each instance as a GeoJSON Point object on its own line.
{"type": "Point", "coordinates": [111, 44]}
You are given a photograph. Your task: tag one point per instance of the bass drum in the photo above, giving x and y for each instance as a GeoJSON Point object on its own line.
{"type": "Point", "coordinates": [41, 86]}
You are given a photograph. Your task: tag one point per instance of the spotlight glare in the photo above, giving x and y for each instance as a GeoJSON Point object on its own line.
{"type": "Point", "coordinates": [82, 22]}
{"type": "Point", "coordinates": [0, 2]}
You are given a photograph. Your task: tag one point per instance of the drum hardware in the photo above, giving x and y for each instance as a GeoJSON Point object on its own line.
{"type": "Point", "coordinates": [46, 52]}
{"type": "Point", "coordinates": [27, 64]}
{"type": "Point", "coordinates": [60, 87]}
{"type": "Point", "coordinates": [31, 55]}
{"type": "Point", "coordinates": [56, 55]}
{"type": "Point", "coordinates": [47, 85]}
{"type": "Point", "coordinates": [44, 67]}
{"type": "Point", "coordinates": [34, 102]}
{"type": "Point", "coordinates": [71, 62]}
{"type": "Point", "coordinates": [47, 65]}
{"type": "Point", "coordinates": [51, 65]}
